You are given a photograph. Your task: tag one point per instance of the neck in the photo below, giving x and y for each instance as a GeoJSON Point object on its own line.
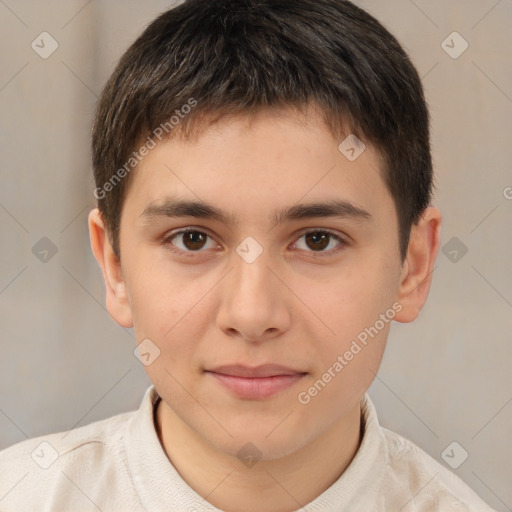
{"type": "Point", "coordinates": [278, 485]}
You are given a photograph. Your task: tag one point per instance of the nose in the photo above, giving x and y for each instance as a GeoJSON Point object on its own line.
{"type": "Point", "coordinates": [254, 303]}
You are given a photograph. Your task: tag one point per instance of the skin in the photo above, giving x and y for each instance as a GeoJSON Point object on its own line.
{"type": "Point", "coordinates": [291, 306]}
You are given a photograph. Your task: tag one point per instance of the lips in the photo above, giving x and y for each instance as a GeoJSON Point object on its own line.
{"type": "Point", "coordinates": [266, 370]}
{"type": "Point", "coordinates": [256, 382]}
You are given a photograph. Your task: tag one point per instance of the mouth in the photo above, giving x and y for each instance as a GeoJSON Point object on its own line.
{"type": "Point", "coordinates": [256, 382]}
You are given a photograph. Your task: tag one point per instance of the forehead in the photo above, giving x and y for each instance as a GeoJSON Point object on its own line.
{"type": "Point", "coordinates": [277, 159]}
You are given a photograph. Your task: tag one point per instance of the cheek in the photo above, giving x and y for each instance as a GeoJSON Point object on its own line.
{"type": "Point", "coordinates": [359, 312]}
{"type": "Point", "coordinates": [347, 365]}
{"type": "Point", "coordinates": [166, 313]}
{"type": "Point", "coordinates": [162, 295]}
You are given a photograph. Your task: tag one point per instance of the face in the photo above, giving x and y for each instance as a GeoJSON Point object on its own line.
{"type": "Point", "coordinates": [249, 291]}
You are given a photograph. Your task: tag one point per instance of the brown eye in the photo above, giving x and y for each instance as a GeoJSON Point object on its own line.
{"type": "Point", "coordinates": [192, 240]}
{"type": "Point", "coordinates": [318, 241]}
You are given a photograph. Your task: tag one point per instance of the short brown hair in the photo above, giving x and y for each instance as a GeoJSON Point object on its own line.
{"type": "Point", "coordinates": [239, 56]}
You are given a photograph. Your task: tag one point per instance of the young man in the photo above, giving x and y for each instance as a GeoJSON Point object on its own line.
{"type": "Point", "coordinates": [263, 176]}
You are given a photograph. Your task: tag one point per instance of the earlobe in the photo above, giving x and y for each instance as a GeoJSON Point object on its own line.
{"type": "Point", "coordinates": [117, 303]}
{"type": "Point", "coordinates": [418, 268]}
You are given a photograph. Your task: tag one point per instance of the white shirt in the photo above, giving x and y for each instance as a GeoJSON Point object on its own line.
{"type": "Point", "coordinates": [118, 464]}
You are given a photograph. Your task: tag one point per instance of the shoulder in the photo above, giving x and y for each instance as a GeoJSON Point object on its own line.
{"type": "Point", "coordinates": [428, 484]}
{"type": "Point", "coordinates": [94, 435]}
{"type": "Point", "coordinates": [41, 470]}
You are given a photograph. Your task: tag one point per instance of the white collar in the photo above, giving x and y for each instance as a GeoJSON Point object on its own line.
{"type": "Point", "coordinates": [159, 485]}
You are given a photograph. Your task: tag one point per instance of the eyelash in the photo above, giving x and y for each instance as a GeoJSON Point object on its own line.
{"type": "Point", "coordinates": [342, 242]}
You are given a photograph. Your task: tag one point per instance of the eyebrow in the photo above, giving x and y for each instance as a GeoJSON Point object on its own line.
{"type": "Point", "coordinates": [176, 208]}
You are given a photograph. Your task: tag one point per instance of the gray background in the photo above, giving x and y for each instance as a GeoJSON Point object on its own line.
{"type": "Point", "coordinates": [65, 363]}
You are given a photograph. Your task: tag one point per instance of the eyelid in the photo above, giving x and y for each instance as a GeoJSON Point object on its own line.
{"type": "Point", "coordinates": [335, 234]}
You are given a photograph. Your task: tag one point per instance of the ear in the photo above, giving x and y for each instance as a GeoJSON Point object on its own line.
{"type": "Point", "coordinates": [418, 267]}
{"type": "Point", "coordinates": [118, 305]}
